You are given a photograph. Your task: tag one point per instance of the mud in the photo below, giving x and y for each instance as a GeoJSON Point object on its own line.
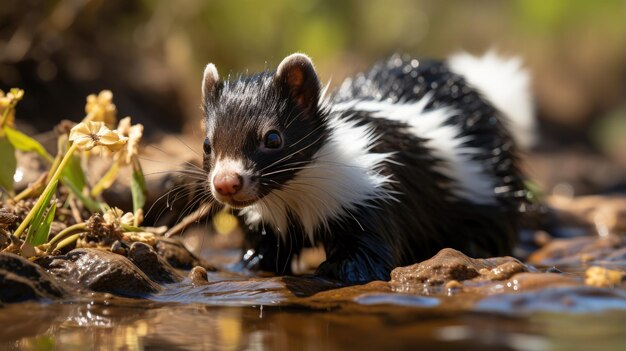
{"type": "Point", "coordinates": [450, 301]}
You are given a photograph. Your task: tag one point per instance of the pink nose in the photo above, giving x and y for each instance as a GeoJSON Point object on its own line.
{"type": "Point", "coordinates": [227, 183]}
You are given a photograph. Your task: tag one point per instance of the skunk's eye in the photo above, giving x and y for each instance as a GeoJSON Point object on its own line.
{"type": "Point", "coordinates": [207, 146]}
{"type": "Point", "coordinates": [273, 140]}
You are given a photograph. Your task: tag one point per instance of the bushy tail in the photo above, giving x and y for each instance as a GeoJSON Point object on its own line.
{"type": "Point", "coordinates": [505, 83]}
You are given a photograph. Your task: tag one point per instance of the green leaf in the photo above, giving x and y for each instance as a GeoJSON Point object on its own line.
{"type": "Point", "coordinates": [9, 164]}
{"type": "Point", "coordinates": [138, 187]}
{"type": "Point", "coordinates": [23, 142]}
{"type": "Point", "coordinates": [37, 224]}
{"type": "Point", "coordinates": [41, 234]}
{"type": "Point", "coordinates": [74, 179]}
{"type": "Point", "coordinates": [73, 174]}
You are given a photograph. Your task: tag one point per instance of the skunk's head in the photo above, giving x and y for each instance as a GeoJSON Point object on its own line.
{"type": "Point", "coordinates": [261, 130]}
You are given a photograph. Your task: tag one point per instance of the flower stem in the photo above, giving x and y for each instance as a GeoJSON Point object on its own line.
{"type": "Point", "coordinates": [64, 233]}
{"type": "Point", "coordinates": [5, 115]}
{"type": "Point", "coordinates": [106, 180]}
{"type": "Point", "coordinates": [67, 241]}
{"type": "Point", "coordinates": [51, 183]}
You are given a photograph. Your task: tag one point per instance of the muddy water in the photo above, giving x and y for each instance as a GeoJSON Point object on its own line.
{"type": "Point", "coordinates": [87, 326]}
{"type": "Point", "coordinates": [230, 312]}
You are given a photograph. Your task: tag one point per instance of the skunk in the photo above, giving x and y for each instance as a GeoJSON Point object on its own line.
{"type": "Point", "coordinates": [399, 162]}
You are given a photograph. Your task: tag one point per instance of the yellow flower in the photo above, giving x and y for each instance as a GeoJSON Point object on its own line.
{"type": "Point", "coordinates": [100, 108]}
{"type": "Point", "coordinates": [88, 135]}
{"type": "Point", "coordinates": [134, 134]}
{"type": "Point", "coordinates": [115, 218]}
{"type": "Point", "coordinates": [8, 101]}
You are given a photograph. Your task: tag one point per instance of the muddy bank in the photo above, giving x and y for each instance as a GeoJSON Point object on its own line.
{"type": "Point", "coordinates": [450, 281]}
{"type": "Point", "coordinates": [450, 301]}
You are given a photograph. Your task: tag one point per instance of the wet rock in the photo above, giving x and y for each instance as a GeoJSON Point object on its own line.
{"type": "Point", "coordinates": [102, 271]}
{"type": "Point", "coordinates": [450, 264]}
{"type": "Point", "coordinates": [198, 276]}
{"type": "Point", "coordinates": [605, 214]}
{"type": "Point", "coordinates": [504, 271]}
{"type": "Point", "coordinates": [576, 250]}
{"type": "Point", "coordinates": [5, 239]}
{"type": "Point", "coordinates": [179, 257]}
{"type": "Point", "coordinates": [22, 280]}
{"type": "Point", "coordinates": [153, 265]}
{"type": "Point", "coordinates": [118, 248]}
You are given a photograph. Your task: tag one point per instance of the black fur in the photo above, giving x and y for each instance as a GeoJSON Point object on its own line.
{"type": "Point", "coordinates": [370, 241]}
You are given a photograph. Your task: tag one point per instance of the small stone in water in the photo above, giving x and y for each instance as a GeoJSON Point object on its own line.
{"type": "Point", "coordinates": [454, 284]}
{"type": "Point", "coordinates": [198, 276]}
{"type": "Point", "coordinates": [118, 248]}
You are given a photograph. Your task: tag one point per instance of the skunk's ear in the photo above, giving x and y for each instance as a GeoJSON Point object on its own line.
{"type": "Point", "coordinates": [209, 81]}
{"type": "Point", "coordinates": [296, 75]}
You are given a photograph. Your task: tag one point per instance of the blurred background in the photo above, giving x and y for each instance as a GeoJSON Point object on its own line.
{"type": "Point", "coordinates": [151, 54]}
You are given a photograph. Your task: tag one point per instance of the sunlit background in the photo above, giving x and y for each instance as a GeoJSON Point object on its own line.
{"type": "Point", "coordinates": [151, 53]}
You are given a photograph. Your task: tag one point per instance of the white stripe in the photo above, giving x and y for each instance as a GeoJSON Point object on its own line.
{"type": "Point", "coordinates": [342, 175]}
{"type": "Point", "coordinates": [506, 84]}
{"type": "Point", "coordinates": [473, 183]}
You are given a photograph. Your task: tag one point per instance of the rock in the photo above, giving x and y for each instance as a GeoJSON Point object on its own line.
{"type": "Point", "coordinates": [153, 265]}
{"type": "Point", "coordinates": [606, 214]}
{"type": "Point", "coordinates": [179, 257]}
{"type": "Point", "coordinates": [450, 264]}
{"type": "Point", "coordinates": [7, 219]}
{"type": "Point", "coordinates": [22, 280]}
{"type": "Point", "coordinates": [504, 271]}
{"type": "Point", "coordinates": [5, 239]}
{"type": "Point", "coordinates": [103, 271]}
{"type": "Point", "coordinates": [198, 276]}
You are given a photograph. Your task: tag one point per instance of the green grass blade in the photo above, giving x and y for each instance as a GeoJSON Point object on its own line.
{"type": "Point", "coordinates": [38, 219]}
{"type": "Point", "coordinates": [41, 234]}
{"type": "Point", "coordinates": [23, 142]}
{"type": "Point", "coordinates": [138, 188]}
{"type": "Point", "coordinates": [9, 164]}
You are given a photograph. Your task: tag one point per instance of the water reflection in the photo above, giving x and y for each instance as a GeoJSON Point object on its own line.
{"type": "Point", "coordinates": [119, 324]}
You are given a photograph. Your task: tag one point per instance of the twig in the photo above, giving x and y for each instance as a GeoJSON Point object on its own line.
{"type": "Point", "coordinates": [195, 216]}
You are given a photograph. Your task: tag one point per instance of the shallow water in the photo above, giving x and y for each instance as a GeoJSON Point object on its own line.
{"type": "Point", "coordinates": [235, 313]}
{"type": "Point", "coordinates": [123, 325]}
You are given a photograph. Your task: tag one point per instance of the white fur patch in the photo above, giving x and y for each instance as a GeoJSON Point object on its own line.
{"type": "Point", "coordinates": [473, 184]}
{"type": "Point", "coordinates": [506, 84]}
{"type": "Point", "coordinates": [233, 166]}
{"type": "Point", "coordinates": [342, 175]}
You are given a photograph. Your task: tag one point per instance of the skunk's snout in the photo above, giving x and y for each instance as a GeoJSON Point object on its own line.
{"type": "Point", "coordinates": [227, 183]}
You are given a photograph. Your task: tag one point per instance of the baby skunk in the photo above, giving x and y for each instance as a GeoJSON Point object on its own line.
{"type": "Point", "coordinates": [398, 163]}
